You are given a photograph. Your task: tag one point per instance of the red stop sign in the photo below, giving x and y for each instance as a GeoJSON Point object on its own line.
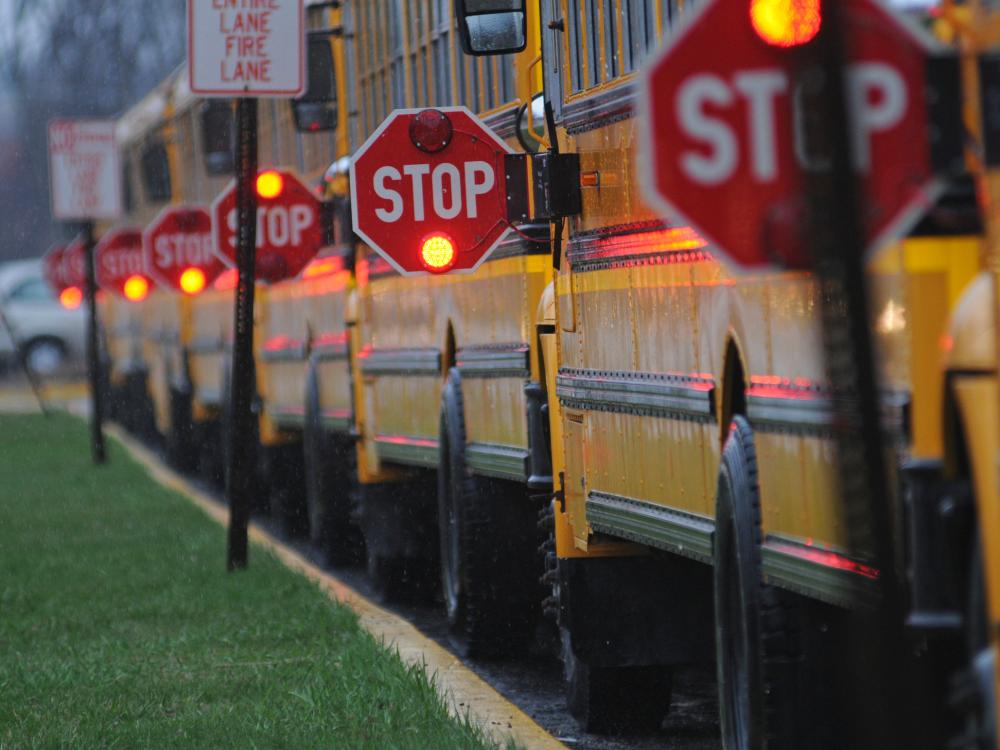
{"type": "Point", "coordinates": [289, 225]}
{"type": "Point", "coordinates": [117, 259]}
{"type": "Point", "coordinates": [403, 196]}
{"type": "Point", "coordinates": [179, 240]}
{"type": "Point", "coordinates": [74, 264]}
{"type": "Point", "coordinates": [52, 268]}
{"type": "Point", "coordinates": [723, 144]}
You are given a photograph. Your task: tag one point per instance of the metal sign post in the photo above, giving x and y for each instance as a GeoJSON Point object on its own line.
{"type": "Point", "coordinates": [227, 60]}
{"type": "Point", "coordinates": [93, 356]}
{"type": "Point", "coordinates": [241, 449]}
{"type": "Point", "coordinates": [879, 693]}
{"type": "Point", "coordinates": [85, 185]}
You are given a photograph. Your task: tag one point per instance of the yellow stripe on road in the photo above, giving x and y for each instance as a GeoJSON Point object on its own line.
{"type": "Point", "coordinates": [462, 690]}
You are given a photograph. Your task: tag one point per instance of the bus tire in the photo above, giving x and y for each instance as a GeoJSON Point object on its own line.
{"type": "Point", "coordinates": [400, 539]}
{"type": "Point", "coordinates": [180, 436]}
{"type": "Point", "coordinates": [328, 467]}
{"type": "Point", "coordinates": [489, 564]}
{"type": "Point", "coordinates": [972, 690]}
{"type": "Point", "coordinates": [765, 697]}
{"type": "Point", "coordinates": [284, 485]}
{"type": "Point", "coordinates": [614, 700]}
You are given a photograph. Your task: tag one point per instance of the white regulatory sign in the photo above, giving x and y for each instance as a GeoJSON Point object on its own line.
{"type": "Point", "coordinates": [84, 171]}
{"type": "Point", "coordinates": [246, 48]}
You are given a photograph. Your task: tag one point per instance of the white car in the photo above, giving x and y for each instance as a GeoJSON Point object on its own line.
{"type": "Point", "coordinates": [50, 335]}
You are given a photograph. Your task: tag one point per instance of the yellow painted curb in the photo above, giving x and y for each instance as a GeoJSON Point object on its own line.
{"type": "Point", "coordinates": [462, 690]}
{"type": "Point", "coordinates": [19, 399]}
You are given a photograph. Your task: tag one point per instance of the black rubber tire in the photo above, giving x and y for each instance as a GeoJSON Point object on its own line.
{"type": "Point", "coordinates": [329, 464]}
{"type": "Point", "coordinates": [282, 483]}
{"type": "Point", "coordinates": [490, 563]}
{"type": "Point", "coordinates": [766, 697]}
{"type": "Point", "coordinates": [971, 689]}
{"type": "Point", "coordinates": [615, 700]}
{"type": "Point", "coordinates": [145, 410]}
{"type": "Point", "coordinates": [43, 346]}
{"type": "Point", "coordinates": [399, 579]}
{"type": "Point", "coordinates": [209, 463]}
{"type": "Point", "coordinates": [180, 448]}
{"type": "Point", "coordinates": [400, 534]}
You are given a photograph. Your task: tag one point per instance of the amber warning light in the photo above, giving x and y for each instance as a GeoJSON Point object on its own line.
{"type": "Point", "coordinates": [136, 288]}
{"type": "Point", "coordinates": [437, 253]}
{"type": "Point", "coordinates": [192, 281]}
{"type": "Point", "coordinates": [71, 297]}
{"type": "Point", "coordinates": [786, 23]}
{"type": "Point", "coordinates": [270, 184]}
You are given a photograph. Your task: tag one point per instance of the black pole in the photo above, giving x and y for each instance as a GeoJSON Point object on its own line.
{"type": "Point", "coordinates": [93, 355]}
{"type": "Point", "coordinates": [241, 448]}
{"type": "Point", "coordinates": [876, 692]}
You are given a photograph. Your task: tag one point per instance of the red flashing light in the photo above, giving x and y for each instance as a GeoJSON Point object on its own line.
{"type": "Point", "coordinates": [136, 288]}
{"type": "Point", "coordinates": [437, 253]}
{"type": "Point", "coordinates": [270, 184]}
{"type": "Point", "coordinates": [71, 297]}
{"type": "Point", "coordinates": [431, 131]}
{"type": "Point", "coordinates": [192, 281]}
{"type": "Point", "coordinates": [786, 23]}
{"type": "Point", "coordinates": [323, 267]}
{"type": "Point", "coordinates": [227, 280]}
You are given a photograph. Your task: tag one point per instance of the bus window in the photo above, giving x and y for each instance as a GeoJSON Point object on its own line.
{"type": "Point", "coordinates": [217, 139]}
{"type": "Point", "coordinates": [593, 51]}
{"type": "Point", "coordinates": [555, 30]}
{"type": "Point", "coordinates": [350, 76]}
{"type": "Point", "coordinates": [610, 40]}
{"type": "Point", "coordinates": [316, 109]}
{"type": "Point", "coordinates": [442, 50]}
{"type": "Point", "coordinates": [593, 28]}
{"type": "Point", "coordinates": [398, 79]}
{"type": "Point", "coordinates": [156, 172]}
{"type": "Point", "coordinates": [576, 50]}
{"type": "Point", "coordinates": [489, 93]}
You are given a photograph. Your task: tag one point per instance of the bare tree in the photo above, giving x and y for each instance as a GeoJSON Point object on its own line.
{"type": "Point", "coordinates": [71, 58]}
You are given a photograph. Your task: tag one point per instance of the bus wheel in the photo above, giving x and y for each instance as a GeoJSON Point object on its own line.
{"type": "Point", "coordinates": [180, 436]}
{"type": "Point", "coordinates": [329, 466]}
{"type": "Point", "coordinates": [400, 538]}
{"type": "Point", "coordinates": [615, 700]}
{"type": "Point", "coordinates": [763, 693]}
{"type": "Point", "coordinates": [489, 561]}
{"type": "Point", "coordinates": [285, 488]}
{"type": "Point", "coordinates": [973, 690]}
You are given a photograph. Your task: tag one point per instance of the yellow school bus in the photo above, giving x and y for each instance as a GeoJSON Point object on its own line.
{"type": "Point", "coordinates": [681, 415]}
{"type": "Point", "coordinates": [196, 140]}
{"type": "Point", "coordinates": [301, 360]}
{"type": "Point", "coordinates": [147, 186]}
{"type": "Point", "coordinates": [442, 365]}
{"type": "Point", "coordinates": [692, 426]}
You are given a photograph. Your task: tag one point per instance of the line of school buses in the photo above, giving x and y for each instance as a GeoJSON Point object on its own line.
{"type": "Point", "coordinates": [602, 422]}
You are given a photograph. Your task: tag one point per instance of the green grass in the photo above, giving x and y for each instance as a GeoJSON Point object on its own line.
{"type": "Point", "coordinates": [119, 626]}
